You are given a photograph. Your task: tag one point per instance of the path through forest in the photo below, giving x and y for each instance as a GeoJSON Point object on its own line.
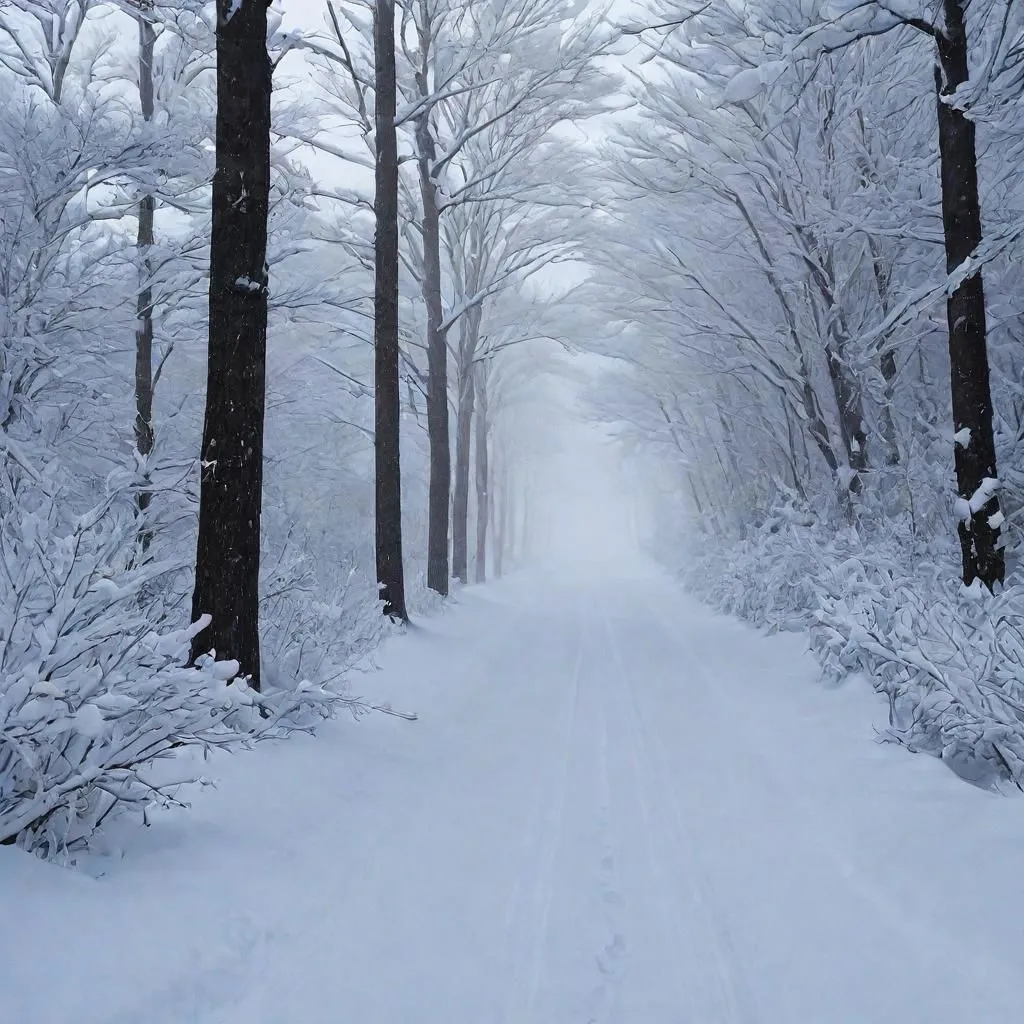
{"type": "Point", "coordinates": [617, 808]}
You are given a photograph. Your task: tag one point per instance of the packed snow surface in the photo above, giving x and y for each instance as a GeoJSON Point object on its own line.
{"type": "Point", "coordinates": [616, 808]}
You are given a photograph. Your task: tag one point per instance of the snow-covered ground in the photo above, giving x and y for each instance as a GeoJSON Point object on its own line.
{"type": "Point", "coordinates": [616, 806]}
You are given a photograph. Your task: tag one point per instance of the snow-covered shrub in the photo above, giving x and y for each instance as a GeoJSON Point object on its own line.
{"type": "Point", "coordinates": [93, 683]}
{"type": "Point", "coordinates": [95, 686]}
{"type": "Point", "coordinates": [94, 627]}
{"type": "Point", "coordinates": [307, 635]}
{"type": "Point", "coordinates": [949, 660]}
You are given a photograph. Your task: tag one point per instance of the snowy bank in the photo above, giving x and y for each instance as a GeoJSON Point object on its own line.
{"type": "Point", "coordinates": [949, 660]}
{"type": "Point", "coordinates": [618, 805]}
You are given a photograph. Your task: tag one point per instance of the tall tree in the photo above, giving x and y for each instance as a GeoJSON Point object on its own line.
{"type": "Point", "coordinates": [230, 506]}
{"type": "Point", "coordinates": [483, 472]}
{"type": "Point", "coordinates": [465, 402]}
{"type": "Point", "coordinates": [980, 518]}
{"type": "Point", "coordinates": [498, 67]}
{"type": "Point", "coordinates": [144, 304]}
{"type": "Point", "coordinates": [466, 73]}
{"type": "Point", "coordinates": [974, 448]}
{"type": "Point", "coordinates": [437, 334]}
{"type": "Point", "coordinates": [800, 180]}
{"type": "Point", "coordinates": [387, 377]}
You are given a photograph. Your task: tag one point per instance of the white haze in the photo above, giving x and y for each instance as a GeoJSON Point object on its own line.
{"type": "Point", "coordinates": [713, 731]}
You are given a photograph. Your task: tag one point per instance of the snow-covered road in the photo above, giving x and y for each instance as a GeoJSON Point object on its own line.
{"type": "Point", "coordinates": [617, 808]}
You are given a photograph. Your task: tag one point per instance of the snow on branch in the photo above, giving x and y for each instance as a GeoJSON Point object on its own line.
{"type": "Point", "coordinates": [948, 659]}
{"type": "Point", "coordinates": [97, 702]}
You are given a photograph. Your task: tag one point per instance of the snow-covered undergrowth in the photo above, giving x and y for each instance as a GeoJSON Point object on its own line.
{"type": "Point", "coordinates": [310, 633]}
{"type": "Point", "coordinates": [949, 659]}
{"type": "Point", "coordinates": [95, 686]}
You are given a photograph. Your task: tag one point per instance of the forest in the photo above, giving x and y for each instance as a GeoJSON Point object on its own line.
{"type": "Point", "coordinates": [285, 293]}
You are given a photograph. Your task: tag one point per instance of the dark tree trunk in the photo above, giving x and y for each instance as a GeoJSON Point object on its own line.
{"type": "Point", "coordinates": [844, 383]}
{"type": "Point", "coordinates": [230, 505]}
{"type": "Point", "coordinates": [890, 371]}
{"type": "Point", "coordinates": [506, 524]}
{"type": "Point", "coordinates": [144, 433]}
{"type": "Point", "coordinates": [812, 409]}
{"type": "Point", "coordinates": [469, 341]}
{"type": "Point", "coordinates": [437, 364]}
{"type": "Point", "coordinates": [387, 380]}
{"type": "Point", "coordinates": [483, 474]}
{"type": "Point", "coordinates": [815, 420]}
{"type": "Point", "coordinates": [438, 510]}
{"type": "Point", "coordinates": [492, 516]}
{"type": "Point", "coordinates": [887, 360]}
{"type": "Point", "coordinates": [851, 413]}
{"type": "Point", "coordinates": [965, 309]}
{"type": "Point", "coordinates": [460, 500]}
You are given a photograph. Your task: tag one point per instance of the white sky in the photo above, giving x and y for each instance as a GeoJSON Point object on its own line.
{"type": "Point", "coordinates": [309, 15]}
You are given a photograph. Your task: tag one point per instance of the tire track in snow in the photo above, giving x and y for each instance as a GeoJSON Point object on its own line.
{"type": "Point", "coordinates": [611, 959]}
{"type": "Point", "coordinates": [671, 922]}
{"type": "Point", "coordinates": [731, 1001]}
{"type": "Point", "coordinates": [210, 987]}
{"type": "Point", "coordinates": [526, 977]}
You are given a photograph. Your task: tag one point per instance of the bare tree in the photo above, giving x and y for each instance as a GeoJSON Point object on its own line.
{"type": "Point", "coordinates": [465, 402]}
{"type": "Point", "coordinates": [387, 374]}
{"type": "Point", "coordinates": [144, 306]}
{"type": "Point", "coordinates": [43, 47]}
{"type": "Point", "coordinates": [974, 449]}
{"type": "Point", "coordinates": [498, 68]}
{"type": "Point", "coordinates": [228, 552]}
{"type": "Point", "coordinates": [437, 335]}
{"type": "Point", "coordinates": [483, 471]}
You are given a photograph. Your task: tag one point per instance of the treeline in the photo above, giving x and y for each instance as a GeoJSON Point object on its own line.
{"type": "Point", "coordinates": [209, 356]}
{"type": "Point", "coordinates": [814, 248]}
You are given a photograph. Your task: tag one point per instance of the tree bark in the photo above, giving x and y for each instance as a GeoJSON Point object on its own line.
{"type": "Point", "coordinates": [387, 378]}
{"type": "Point", "coordinates": [460, 500]}
{"type": "Point", "coordinates": [887, 361]}
{"type": "Point", "coordinates": [846, 387]}
{"type": "Point", "coordinates": [483, 473]}
{"type": "Point", "coordinates": [968, 355]}
{"type": "Point", "coordinates": [231, 491]}
{"type": "Point", "coordinates": [494, 512]}
{"type": "Point", "coordinates": [469, 340]}
{"type": "Point", "coordinates": [438, 510]}
{"type": "Point", "coordinates": [812, 408]}
{"type": "Point", "coordinates": [437, 364]}
{"type": "Point", "coordinates": [144, 433]}
{"type": "Point", "coordinates": [506, 524]}
{"type": "Point", "coordinates": [851, 412]}
{"type": "Point", "coordinates": [887, 365]}
{"type": "Point", "coordinates": [890, 372]}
